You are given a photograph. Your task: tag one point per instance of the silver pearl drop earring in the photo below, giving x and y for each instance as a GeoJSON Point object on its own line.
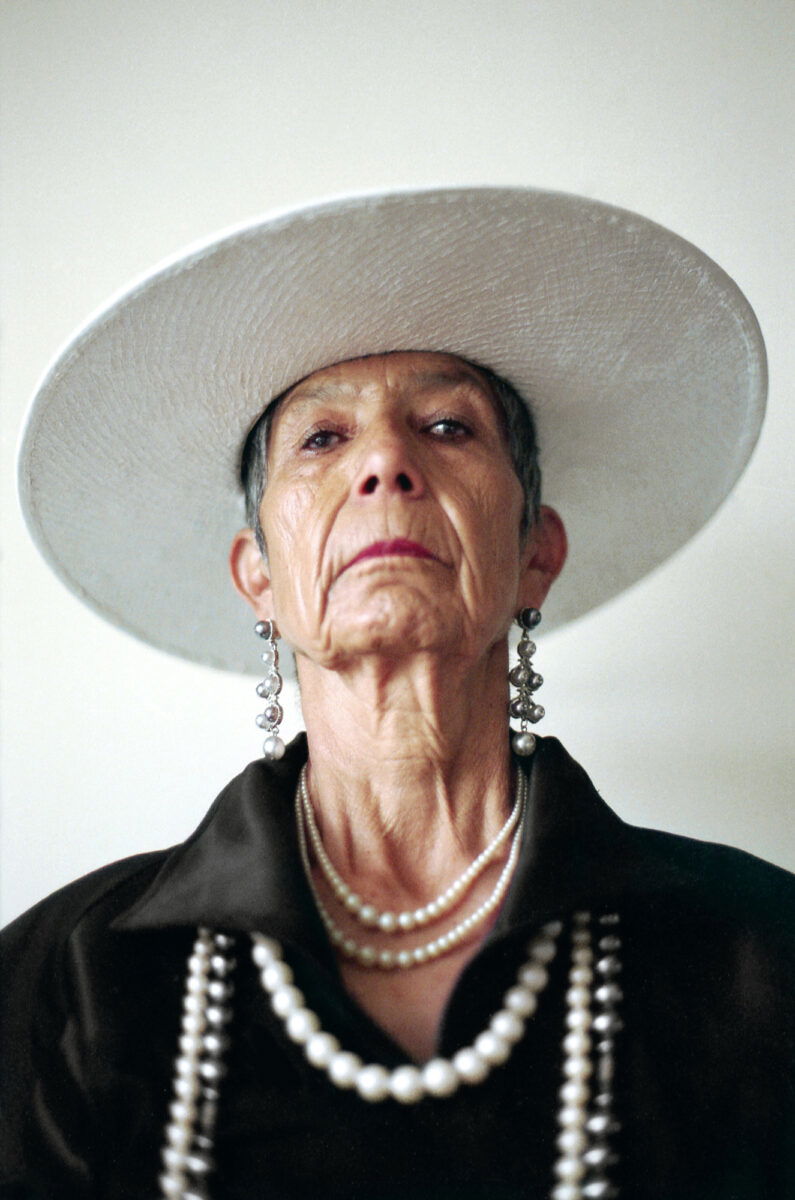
{"type": "Point", "coordinates": [269, 689]}
{"type": "Point", "coordinates": [526, 681]}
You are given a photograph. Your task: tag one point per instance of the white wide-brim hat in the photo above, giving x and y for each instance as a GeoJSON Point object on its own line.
{"type": "Point", "coordinates": [643, 361]}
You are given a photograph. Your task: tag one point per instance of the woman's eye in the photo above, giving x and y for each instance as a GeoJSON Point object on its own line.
{"type": "Point", "coordinates": [320, 439]}
{"type": "Point", "coordinates": [449, 429]}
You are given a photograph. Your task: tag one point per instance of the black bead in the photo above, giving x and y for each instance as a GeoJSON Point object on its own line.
{"type": "Point", "coordinates": [528, 618]}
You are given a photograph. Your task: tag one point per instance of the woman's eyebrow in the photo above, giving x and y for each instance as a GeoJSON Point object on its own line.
{"type": "Point", "coordinates": [293, 407]}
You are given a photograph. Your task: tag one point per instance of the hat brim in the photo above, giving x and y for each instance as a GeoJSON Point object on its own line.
{"type": "Point", "coordinates": [643, 361]}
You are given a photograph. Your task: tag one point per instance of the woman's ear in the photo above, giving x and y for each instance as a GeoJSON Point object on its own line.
{"type": "Point", "coordinates": [545, 553]}
{"type": "Point", "coordinates": [249, 572]}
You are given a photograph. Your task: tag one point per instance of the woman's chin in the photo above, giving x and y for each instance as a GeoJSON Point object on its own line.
{"type": "Point", "coordinates": [392, 629]}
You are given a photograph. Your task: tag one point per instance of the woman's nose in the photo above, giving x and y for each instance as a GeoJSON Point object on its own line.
{"type": "Point", "coordinates": [389, 467]}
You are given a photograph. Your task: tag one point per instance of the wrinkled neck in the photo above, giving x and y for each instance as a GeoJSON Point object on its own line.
{"type": "Point", "coordinates": [410, 771]}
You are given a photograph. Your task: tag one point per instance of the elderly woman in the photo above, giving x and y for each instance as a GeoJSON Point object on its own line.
{"type": "Point", "coordinates": [413, 954]}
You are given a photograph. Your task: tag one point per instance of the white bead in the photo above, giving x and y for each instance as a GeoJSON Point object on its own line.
{"type": "Point", "coordinates": [190, 1044]}
{"type": "Point", "coordinates": [576, 1067]}
{"type": "Point", "coordinates": [366, 956]}
{"type": "Point", "coordinates": [217, 1015]}
{"type": "Point", "coordinates": [301, 1024]}
{"type": "Point", "coordinates": [211, 1071]}
{"type": "Point", "coordinates": [407, 920]}
{"type": "Point", "coordinates": [386, 959]}
{"type": "Point", "coordinates": [571, 1169]}
{"type": "Point", "coordinates": [182, 1112]}
{"type": "Point", "coordinates": [493, 1048]}
{"type": "Point", "coordinates": [405, 1085]}
{"type": "Point", "coordinates": [276, 975]}
{"type": "Point", "coordinates": [343, 1069]}
{"type": "Point", "coordinates": [198, 965]}
{"type": "Point", "coordinates": [598, 1156]}
{"type": "Point", "coordinates": [372, 1083]}
{"type": "Point", "coordinates": [471, 1066]}
{"type": "Point", "coordinates": [173, 1159]}
{"type": "Point", "coordinates": [215, 1043]}
{"type": "Point", "coordinates": [578, 997]}
{"type": "Point", "coordinates": [221, 964]}
{"type": "Point", "coordinates": [567, 1191]}
{"type": "Point", "coordinates": [198, 1164]}
{"type": "Point", "coordinates": [273, 748]}
{"type": "Point", "coordinates": [404, 958]}
{"type": "Point", "coordinates": [186, 1089]}
{"type": "Point", "coordinates": [572, 1141]}
{"type": "Point", "coordinates": [265, 951]}
{"type": "Point", "coordinates": [609, 993]}
{"type": "Point", "coordinates": [552, 929]}
{"type": "Point", "coordinates": [368, 915]}
{"type": "Point", "coordinates": [533, 976]}
{"type": "Point", "coordinates": [172, 1183]}
{"type": "Point", "coordinates": [600, 1123]}
{"type": "Point", "coordinates": [571, 1114]}
{"type": "Point", "coordinates": [185, 1066]}
{"type": "Point", "coordinates": [577, 1042]}
{"type": "Point", "coordinates": [440, 1077]}
{"type": "Point", "coordinates": [575, 1092]}
{"type": "Point", "coordinates": [543, 949]}
{"type": "Point", "coordinates": [193, 1004]}
{"type": "Point", "coordinates": [578, 1018]}
{"type": "Point", "coordinates": [287, 1000]}
{"type": "Point", "coordinates": [179, 1136]}
{"type": "Point", "coordinates": [507, 1025]}
{"type": "Point", "coordinates": [196, 985]}
{"type": "Point", "coordinates": [581, 975]}
{"type": "Point", "coordinates": [388, 922]}
{"type": "Point", "coordinates": [321, 1048]}
{"type": "Point", "coordinates": [521, 1000]}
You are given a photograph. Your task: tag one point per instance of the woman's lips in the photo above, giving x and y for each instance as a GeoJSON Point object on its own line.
{"type": "Point", "coordinates": [395, 547]}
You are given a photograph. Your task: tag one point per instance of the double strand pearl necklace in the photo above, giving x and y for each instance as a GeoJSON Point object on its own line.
{"type": "Point", "coordinates": [388, 960]}
{"type": "Point", "coordinates": [585, 1116]}
{"type": "Point", "coordinates": [413, 918]}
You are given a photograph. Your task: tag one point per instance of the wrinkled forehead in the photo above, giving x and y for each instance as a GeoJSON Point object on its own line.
{"type": "Point", "coordinates": [403, 372]}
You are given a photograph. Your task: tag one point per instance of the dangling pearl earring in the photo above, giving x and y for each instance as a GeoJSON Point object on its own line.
{"type": "Point", "coordinates": [269, 689]}
{"type": "Point", "coordinates": [526, 681]}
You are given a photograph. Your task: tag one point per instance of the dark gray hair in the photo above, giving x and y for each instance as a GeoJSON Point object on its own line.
{"type": "Point", "coordinates": [520, 435]}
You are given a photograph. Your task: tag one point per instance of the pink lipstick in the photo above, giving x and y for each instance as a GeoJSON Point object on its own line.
{"type": "Point", "coordinates": [393, 548]}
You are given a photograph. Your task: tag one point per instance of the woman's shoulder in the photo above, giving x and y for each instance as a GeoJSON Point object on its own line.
{"type": "Point", "coordinates": [718, 887]}
{"type": "Point", "coordinates": [52, 920]}
{"type": "Point", "coordinates": [651, 867]}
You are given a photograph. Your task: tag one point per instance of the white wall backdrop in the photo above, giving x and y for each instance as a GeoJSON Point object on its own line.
{"type": "Point", "coordinates": [130, 129]}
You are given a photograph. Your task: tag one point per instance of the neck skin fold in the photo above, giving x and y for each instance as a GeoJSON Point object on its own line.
{"type": "Point", "coordinates": [410, 770]}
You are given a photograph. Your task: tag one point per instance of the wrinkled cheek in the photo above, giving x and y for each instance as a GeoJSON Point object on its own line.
{"type": "Point", "coordinates": [295, 544]}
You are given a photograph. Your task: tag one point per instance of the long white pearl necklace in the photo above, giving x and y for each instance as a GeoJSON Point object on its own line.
{"type": "Point", "coordinates": [388, 960]}
{"type": "Point", "coordinates": [585, 1118]}
{"type": "Point", "coordinates": [408, 1083]}
{"type": "Point", "coordinates": [413, 918]}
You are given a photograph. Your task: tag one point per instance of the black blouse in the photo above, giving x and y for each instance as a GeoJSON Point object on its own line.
{"type": "Point", "coordinates": [94, 975]}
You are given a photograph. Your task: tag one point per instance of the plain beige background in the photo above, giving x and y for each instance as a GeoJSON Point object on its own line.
{"type": "Point", "coordinates": [131, 128]}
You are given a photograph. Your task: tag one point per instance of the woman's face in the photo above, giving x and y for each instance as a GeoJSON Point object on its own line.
{"type": "Point", "coordinates": [392, 513]}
